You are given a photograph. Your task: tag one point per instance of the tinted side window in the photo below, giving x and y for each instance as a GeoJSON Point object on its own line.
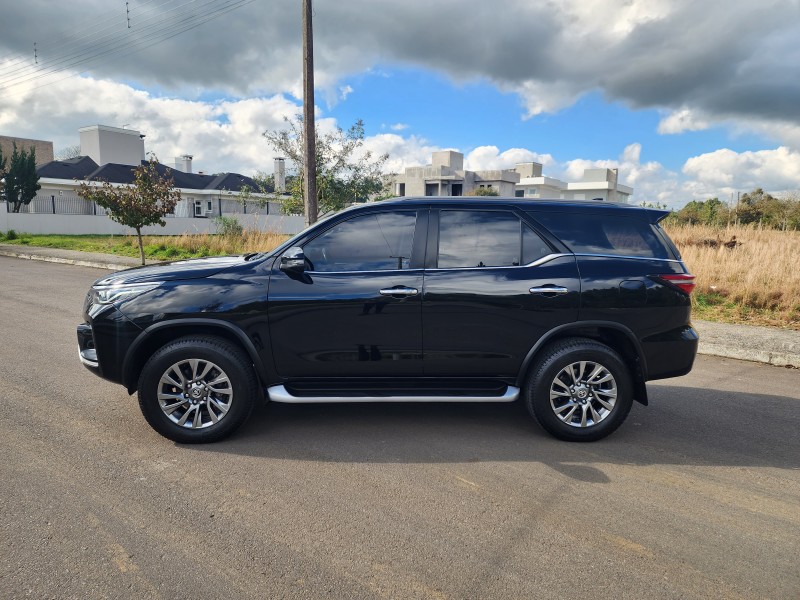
{"type": "Point", "coordinates": [533, 246]}
{"type": "Point", "coordinates": [375, 242]}
{"type": "Point", "coordinates": [473, 238]}
{"type": "Point", "coordinates": [604, 234]}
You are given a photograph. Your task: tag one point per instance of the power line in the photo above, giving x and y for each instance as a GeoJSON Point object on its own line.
{"type": "Point", "coordinates": [110, 38]}
{"type": "Point", "coordinates": [153, 39]}
{"type": "Point", "coordinates": [13, 58]}
{"type": "Point", "coordinates": [155, 33]}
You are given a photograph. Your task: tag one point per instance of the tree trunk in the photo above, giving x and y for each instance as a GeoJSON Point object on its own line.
{"type": "Point", "coordinates": [141, 249]}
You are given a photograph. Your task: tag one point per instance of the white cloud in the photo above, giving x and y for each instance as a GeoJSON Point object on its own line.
{"type": "Point", "coordinates": [484, 158]}
{"type": "Point", "coordinates": [222, 136]}
{"type": "Point", "coordinates": [651, 181]}
{"type": "Point", "coordinates": [398, 126]}
{"type": "Point", "coordinates": [345, 91]}
{"type": "Point", "coordinates": [412, 151]}
{"type": "Point", "coordinates": [724, 171]}
{"type": "Point", "coordinates": [682, 120]}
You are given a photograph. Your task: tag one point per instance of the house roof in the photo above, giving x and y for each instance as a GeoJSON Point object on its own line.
{"type": "Point", "coordinates": [85, 168]}
{"type": "Point", "coordinates": [73, 168]}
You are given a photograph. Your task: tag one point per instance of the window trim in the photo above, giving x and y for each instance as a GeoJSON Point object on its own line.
{"type": "Point", "coordinates": [536, 263]}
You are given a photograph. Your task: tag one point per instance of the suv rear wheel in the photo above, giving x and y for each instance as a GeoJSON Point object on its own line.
{"type": "Point", "coordinates": [197, 389]}
{"type": "Point", "coordinates": [579, 390]}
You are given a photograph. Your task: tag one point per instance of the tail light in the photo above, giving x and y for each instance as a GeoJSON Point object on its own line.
{"type": "Point", "coordinates": [684, 281]}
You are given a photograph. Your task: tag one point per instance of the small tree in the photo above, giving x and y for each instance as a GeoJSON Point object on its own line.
{"type": "Point", "coordinates": [346, 173]}
{"type": "Point", "coordinates": [146, 202]}
{"type": "Point", "coordinates": [22, 181]}
{"type": "Point", "coordinates": [483, 191]}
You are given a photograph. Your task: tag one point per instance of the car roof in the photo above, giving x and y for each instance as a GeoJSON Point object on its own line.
{"type": "Point", "coordinates": [527, 205]}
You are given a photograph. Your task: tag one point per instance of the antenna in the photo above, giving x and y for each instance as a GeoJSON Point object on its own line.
{"type": "Point", "coordinates": [35, 54]}
{"type": "Point", "coordinates": [128, 15]}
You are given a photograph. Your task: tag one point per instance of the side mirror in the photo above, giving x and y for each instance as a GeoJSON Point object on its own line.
{"type": "Point", "coordinates": [293, 260]}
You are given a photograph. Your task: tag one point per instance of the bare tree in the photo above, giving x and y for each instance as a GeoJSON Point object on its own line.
{"type": "Point", "coordinates": [68, 152]}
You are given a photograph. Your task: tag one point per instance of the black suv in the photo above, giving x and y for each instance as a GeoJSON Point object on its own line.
{"type": "Point", "coordinates": [572, 306]}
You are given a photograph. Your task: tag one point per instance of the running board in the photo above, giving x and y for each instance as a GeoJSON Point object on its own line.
{"type": "Point", "coordinates": [279, 393]}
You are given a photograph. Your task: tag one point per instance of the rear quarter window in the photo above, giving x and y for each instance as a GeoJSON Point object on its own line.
{"type": "Point", "coordinates": [605, 234]}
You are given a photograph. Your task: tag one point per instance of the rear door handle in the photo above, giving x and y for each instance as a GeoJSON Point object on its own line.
{"type": "Point", "coordinates": [552, 289]}
{"type": "Point", "coordinates": [399, 291]}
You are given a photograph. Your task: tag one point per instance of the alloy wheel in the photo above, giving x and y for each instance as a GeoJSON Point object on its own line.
{"type": "Point", "coordinates": [195, 393]}
{"type": "Point", "coordinates": [583, 394]}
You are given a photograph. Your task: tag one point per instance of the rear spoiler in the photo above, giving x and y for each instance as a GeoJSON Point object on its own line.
{"type": "Point", "coordinates": [657, 215]}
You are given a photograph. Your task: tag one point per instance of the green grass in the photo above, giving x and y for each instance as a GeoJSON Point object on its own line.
{"type": "Point", "coordinates": [715, 307]}
{"type": "Point", "coordinates": [120, 245]}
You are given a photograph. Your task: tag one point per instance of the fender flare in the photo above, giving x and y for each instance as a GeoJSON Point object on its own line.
{"type": "Point", "coordinates": [245, 341]}
{"type": "Point", "coordinates": [638, 374]}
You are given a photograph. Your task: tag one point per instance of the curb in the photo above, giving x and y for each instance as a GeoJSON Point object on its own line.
{"type": "Point", "coordinates": [716, 339]}
{"type": "Point", "coordinates": [777, 359]}
{"type": "Point", "coordinates": [109, 266]}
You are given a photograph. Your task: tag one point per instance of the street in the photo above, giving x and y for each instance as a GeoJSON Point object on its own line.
{"type": "Point", "coordinates": [696, 496]}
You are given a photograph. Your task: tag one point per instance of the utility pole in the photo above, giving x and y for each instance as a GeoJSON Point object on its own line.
{"type": "Point", "coordinates": [309, 143]}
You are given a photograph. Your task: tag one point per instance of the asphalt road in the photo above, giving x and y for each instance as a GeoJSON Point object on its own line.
{"type": "Point", "coordinates": [696, 496]}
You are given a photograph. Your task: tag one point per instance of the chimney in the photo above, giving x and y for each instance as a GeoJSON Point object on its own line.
{"type": "Point", "coordinates": [184, 163]}
{"type": "Point", "coordinates": [280, 175]}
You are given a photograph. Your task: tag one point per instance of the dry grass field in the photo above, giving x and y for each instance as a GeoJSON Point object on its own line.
{"type": "Point", "coordinates": [250, 240]}
{"type": "Point", "coordinates": [757, 281]}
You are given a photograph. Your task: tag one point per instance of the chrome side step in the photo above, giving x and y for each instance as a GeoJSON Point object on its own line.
{"type": "Point", "coordinates": [278, 393]}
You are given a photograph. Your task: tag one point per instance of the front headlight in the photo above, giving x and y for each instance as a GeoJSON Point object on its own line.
{"type": "Point", "coordinates": [108, 294]}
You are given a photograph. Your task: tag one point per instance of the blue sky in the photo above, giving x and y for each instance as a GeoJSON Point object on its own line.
{"type": "Point", "coordinates": [471, 114]}
{"type": "Point", "coordinates": [687, 99]}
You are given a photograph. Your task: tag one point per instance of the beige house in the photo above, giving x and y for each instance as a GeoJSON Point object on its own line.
{"type": "Point", "coordinates": [43, 149]}
{"type": "Point", "coordinates": [446, 176]}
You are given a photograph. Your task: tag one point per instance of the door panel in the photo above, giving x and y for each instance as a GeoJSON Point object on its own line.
{"type": "Point", "coordinates": [482, 322]}
{"type": "Point", "coordinates": [479, 315]}
{"type": "Point", "coordinates": [339, 324]}
{"type": "Point", "coordinates": [356, 310]}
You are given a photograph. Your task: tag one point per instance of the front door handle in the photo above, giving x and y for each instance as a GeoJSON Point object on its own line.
{"type": "Point", "coordinates": [552, 289]}
{"type": "Point", "coordinates": [399, 291]}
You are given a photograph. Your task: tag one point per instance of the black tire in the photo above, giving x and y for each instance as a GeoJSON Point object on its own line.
{"type": "Point", "coordinates": [229, 382]}
{"type": "Point", "coordinates": [557, 366]}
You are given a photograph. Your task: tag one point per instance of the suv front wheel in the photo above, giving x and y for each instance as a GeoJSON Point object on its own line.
{"type": "Point", "coordinates": [197, 389]}
{"type": "Point", "coordinates": [579, 390]}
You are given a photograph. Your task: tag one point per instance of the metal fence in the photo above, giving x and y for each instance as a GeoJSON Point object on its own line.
{"type": "Point", "coordinates": [75, 205]}
{"type": "Point", "coordinates": [59, 205]}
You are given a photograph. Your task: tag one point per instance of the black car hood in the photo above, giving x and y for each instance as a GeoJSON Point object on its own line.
{"type": "Point", "coordinates": [171, 271]}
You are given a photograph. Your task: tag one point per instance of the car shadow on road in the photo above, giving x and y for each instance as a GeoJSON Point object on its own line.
{"type": "Point", "coordinates": [682, 426]}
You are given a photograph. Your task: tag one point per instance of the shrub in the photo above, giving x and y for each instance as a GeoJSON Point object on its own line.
{"type": "Point", "coordinates": [11, 235]}
{"type": "Point", "coordinates": [228, 226]}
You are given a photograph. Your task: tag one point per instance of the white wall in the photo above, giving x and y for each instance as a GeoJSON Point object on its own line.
{"type": "Point", "coordinates": [105, 144]}
{"type": "Point", "coordinates": [88, 224]}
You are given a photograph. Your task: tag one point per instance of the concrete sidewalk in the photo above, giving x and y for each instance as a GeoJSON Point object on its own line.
{"type": "Point", "coordinates": [111, 262]}
{"type": "Point", "coordinates": [780, 347]}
